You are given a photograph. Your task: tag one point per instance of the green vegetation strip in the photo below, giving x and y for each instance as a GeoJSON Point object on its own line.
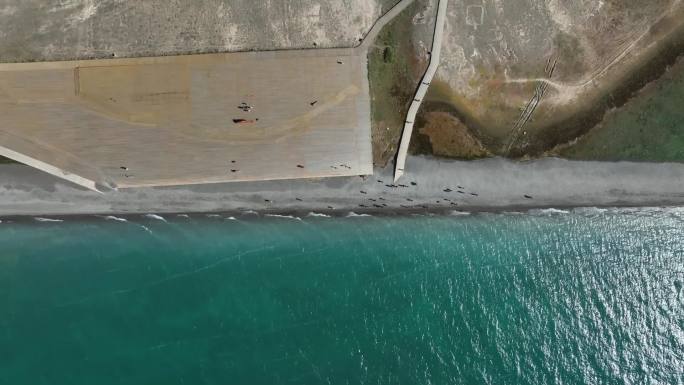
{"type": "Point", "coordinates": [392, 83]}
{"type": "Point", "coordinates": [650, 127]}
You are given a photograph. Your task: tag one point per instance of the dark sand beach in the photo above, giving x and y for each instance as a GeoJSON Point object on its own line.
{"type": "Point", "coordinates": [430, 185]}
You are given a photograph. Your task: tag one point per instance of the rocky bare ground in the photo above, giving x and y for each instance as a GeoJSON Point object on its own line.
{"type": "Point", "coordinates": [38, 30]}
{"type": "Point", "coordinates": [526, 75]}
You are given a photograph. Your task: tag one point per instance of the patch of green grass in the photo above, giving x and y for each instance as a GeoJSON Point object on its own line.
{"type": "Point", "coordinates": [6, 160]}
{"type": "Point", "coordinates": [391, 83]}
{"type": "Point", "coordinates": [650, 127]}
{"type": "Point", "coordinates": [386, 5]}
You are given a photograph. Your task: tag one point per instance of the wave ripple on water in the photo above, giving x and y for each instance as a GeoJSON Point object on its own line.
{"type": "Point", "coordinates": [582, 296]}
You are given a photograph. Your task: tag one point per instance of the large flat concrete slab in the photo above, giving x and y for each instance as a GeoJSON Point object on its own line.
{"type": "Point", "coordinates": [172, 120]}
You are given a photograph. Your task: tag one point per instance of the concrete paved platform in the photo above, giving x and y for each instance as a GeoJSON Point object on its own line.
{"type": "Point", "coordinates": [170, 120]}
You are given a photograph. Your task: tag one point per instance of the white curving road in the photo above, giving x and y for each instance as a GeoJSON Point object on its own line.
{"type": "Point", "coordinates": [422, 90]}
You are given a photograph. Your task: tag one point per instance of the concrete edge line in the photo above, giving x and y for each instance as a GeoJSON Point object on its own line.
{"type": "Point", "coordinates": [48, 168]}
{"type": "Point", "coordinates": [422, 90]}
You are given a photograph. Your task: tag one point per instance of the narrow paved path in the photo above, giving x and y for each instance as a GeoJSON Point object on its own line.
{"type": "Point", "coordinates": [369, 39]}
{"type": "Point", "coordinates": [422, 89]}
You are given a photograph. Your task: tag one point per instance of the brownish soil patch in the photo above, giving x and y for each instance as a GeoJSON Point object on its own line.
{"type": "Point", "coordinates": [449, 137]}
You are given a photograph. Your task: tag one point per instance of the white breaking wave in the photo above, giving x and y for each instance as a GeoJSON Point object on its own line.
{"type": "Point", "coordinates": [113, 218]}
{"type": "Point", "coordinates": [355, 215]}
{"type": "Point", "coordinates": [248, 212]}
{"type": "Point", "coordinates": [231, 219]}
{"type": "Point", "coordinates": [39, 219]}
{"type": "Point", "coordinates": [155, 216]}
{"type": "Point", "coordinates": [460, 213]}
{"type": "Point", "coordinates": [548, 212]}
{"type": "Point", "coordinates": [213, 216]}
{"type": "Point", "coordinates": [283, 216]}
{"type": "Point", "coordinates": [183, 215]}
{"type": "Point", "coordinates": [317, 215]}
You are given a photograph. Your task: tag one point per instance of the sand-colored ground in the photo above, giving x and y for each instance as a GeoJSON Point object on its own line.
{"type": "Point", "coordinates": [174, 120]}
{"type": "Point", "coordinates": [177, 120]}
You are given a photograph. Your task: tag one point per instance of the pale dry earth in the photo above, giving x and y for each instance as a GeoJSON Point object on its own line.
{"type": "Point", "coordinates": [45, 30]}
{"type": "Point", "coordinates": [191, 119]}
{"type": "Point", "coordinates": [498, 55]}
{"type": "Point", "coordinates": [283, 114]}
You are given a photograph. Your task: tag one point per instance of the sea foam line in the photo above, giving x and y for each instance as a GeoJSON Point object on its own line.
{"type": "Point", "coordinates": [550, 211]}
{"type": "Point", "coordinates": [155, 216]}
{"type": "Point", "coordinates": [457, 213]}
{"type": "Point", "coordinates": [113, 218]}
{"type": "Point", "coordinates": [355, 215]}
{"type": "Point", "coordinates": [317, 215]}
{"type": "Point", "coordinates": [283, 216]}
{"type": "Point", "coordinates": [39, 219]}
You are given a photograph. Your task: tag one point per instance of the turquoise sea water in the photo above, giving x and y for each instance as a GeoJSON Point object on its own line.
{"type": "Point", "coordinates": [581, 297]}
